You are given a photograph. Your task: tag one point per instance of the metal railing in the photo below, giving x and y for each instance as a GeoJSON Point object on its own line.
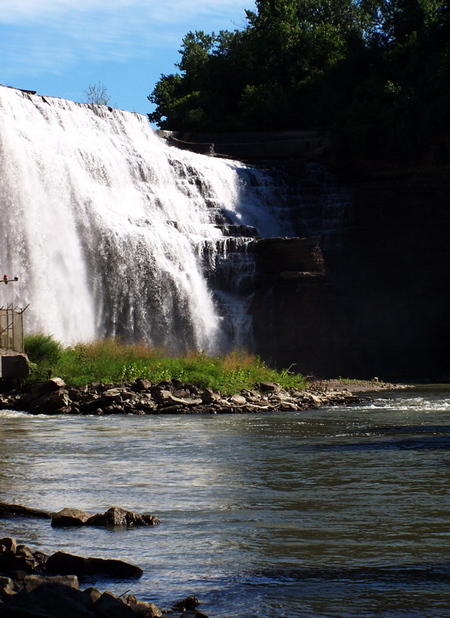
{"type": "Point", "coordinates": [11, 328]}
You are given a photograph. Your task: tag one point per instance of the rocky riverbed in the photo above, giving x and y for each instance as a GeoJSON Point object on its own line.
{"type": "Point", "coordinates": [33, 585]}
{"type": "Point", "coordinates": [36, 585]}
{"type": "Point", "coordinates": [176, 397]}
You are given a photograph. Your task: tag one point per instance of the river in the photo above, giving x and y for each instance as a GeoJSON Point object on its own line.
{"type": "Point", "coordinates": [327, 513]}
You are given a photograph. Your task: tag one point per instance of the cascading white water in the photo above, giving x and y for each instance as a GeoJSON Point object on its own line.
{"type": "Point", "coordinates": [104, 224]}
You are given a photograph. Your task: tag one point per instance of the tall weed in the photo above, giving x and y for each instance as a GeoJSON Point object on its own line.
{"type": "Point", "coordinates": [109, 361]}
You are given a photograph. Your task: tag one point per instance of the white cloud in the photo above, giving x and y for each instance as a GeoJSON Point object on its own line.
{"type": "Point", "coordinates": [111, 23]}
{"type": "Point", "coordinates": [20, 11]}
{"type": "Point", "coordinates": [50, 36]}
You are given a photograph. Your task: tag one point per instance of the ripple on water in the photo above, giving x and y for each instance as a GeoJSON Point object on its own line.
{"type": "Point", "coordinates": [340, 512]}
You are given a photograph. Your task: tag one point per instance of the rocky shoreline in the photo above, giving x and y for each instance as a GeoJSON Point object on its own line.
{"type": "Point", "coordinates": [34, 585]}
{"type": "Point", "coordinates": [176, 397]}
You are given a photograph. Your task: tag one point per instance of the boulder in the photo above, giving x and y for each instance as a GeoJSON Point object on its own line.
{"type": "Point", "coordinates": [49, 600]}
{"type": "Point", "coordinates": [19, 559]}
{"type": "Point", "coordinates": [209, 396]}
{"type": "Point", "coordinates": [47, 387]}
{"type": "Point", "coordinates": [8, 544]}
{"type": "Point", "coordinates": [166, 398]}
{"type": "Point", "coordinates": [109, 606]}
{"type": "Point", "coordinates": [142, 384]}
{"type": "Point", "coordinates": [7, 554]}
{"type": "Point", "coordinates": [23, 560]}
{"type": "Point", "coordinates": [30, 582]}
{"type": "Point", "coordinates": [52, 403]}
{"type": "Point", "coordinates": [142, 609]}
{"type": "Point", "coordinates": [112, 395]}
{"type": "Point", "coordinates": [94, 593]}
{"type": "Point", "coordinates": [116, 516]}
{"type": "Point", "coordinates": [7, 589]}
{"type": "Point", "coordinates": [70, 564]}
{"type": "Point", "coordinates": [70, 517]}
{"type": "Point", "coordinates": [269, 387]}
{"type": "Point", "coordinates": [237, 400]}
{"type": "Point", "coordinates": [190, 602]}
{"type": "Point", "coordinates": [23, 511]}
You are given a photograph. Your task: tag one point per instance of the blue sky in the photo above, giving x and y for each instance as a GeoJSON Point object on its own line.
{"type": "Point", "coordinates": [61, 47]}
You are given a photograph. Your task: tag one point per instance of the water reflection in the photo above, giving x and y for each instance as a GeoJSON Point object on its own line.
{"type": "Point", "coordinates": [325, 513]}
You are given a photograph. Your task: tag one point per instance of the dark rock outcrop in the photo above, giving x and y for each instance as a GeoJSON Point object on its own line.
{"type": "Point", "coordinates": [49, 600]}
{"type": "Point", "coordinates": [10, 510]}
{"type": "Point", "coordinates": [70, 517]}
{"type": "Point", "coordinates": [54, 597]}
{"type": "Point", "coordinates": [383, 307]}
{"type": "Point", "coordinates": [41, 594]}
{"type": "Point", "coordinates": [393, 276]}
{"type": "Point", "coordinates": [116, 516]}
{"type": "Point", "coordinates": [190, 602]}
{"type": "Point", "coordinates": [21, 559]}
{"type": "Point", "coordinates": [70, 564]}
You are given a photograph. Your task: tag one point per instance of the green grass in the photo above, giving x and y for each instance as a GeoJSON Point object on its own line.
{"type": "Point", "coordinates": [108, 362]}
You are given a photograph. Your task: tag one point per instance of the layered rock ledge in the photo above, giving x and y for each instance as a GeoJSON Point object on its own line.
{"type": "Point", "coordinates": [171, 397]}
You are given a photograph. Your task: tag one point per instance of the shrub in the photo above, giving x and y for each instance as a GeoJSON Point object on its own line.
{"type": "Point", "coordinates": [42, 349]}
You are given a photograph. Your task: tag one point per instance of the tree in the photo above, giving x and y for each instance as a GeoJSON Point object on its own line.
{"type": "Point", "coordinates": [375, 72]}
{"type": "Point", "coordinates": [97, 94]}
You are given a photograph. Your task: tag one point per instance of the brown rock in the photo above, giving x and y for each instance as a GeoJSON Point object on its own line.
{"type": "Point", "coordinates": [109, 606]}
{"type": "Point", "coordinates": [116, 516]}
{"type": "Point", "coordinates": [8, 544]}
{"type": "Point", "coordinates": [269, 387]}
{"type": "Point", "coordinates": [189, 602]}
{"type": "Point", "coordinates": [94, 593]}
{"type": "Point", "coordinates": [52, 403]}
{"type": "Point", "coordinates": [70, 564]}
{"type": "Point", "coordinates": [142, 608]}
{"type": "Point", "coordinates": [6, 588]}
{"type": "Point", "coordinates": [142, 384]}
{"type": "Point", "coordinates": [49, 600]}
{"type": "Point", "coordinates": [70, 517]}
{"type": "Point", "coordinates": [24, 559]}
{"type": "Point", "coordinates": [112, 395]}
{"type": "Point", "coordinates": [209, 396]}
{"type": "Point", "coordinates": [238, 400]}
{"type": "Point", "coordinates": [23, 511]}
{"type": "Point", "coordinates": [31, 582]}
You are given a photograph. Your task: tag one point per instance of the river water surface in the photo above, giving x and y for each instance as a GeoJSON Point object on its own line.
{"type": "Point", "coordinates": [327, 513]}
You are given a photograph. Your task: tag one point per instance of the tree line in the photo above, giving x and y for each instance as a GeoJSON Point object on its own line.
{"type": "Point", "coordinates": [374, 72]}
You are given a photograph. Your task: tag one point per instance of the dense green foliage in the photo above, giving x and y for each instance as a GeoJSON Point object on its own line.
{"type": "Point", "coordinates": [375, 72]}
{"type": "Point", "coordinates": [111, 362]}
{"type": "Point", "coordinates": [42, 349]}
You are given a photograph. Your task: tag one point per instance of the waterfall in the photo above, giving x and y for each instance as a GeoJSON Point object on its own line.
{"type": "Point", "coordinates": [113, 233]}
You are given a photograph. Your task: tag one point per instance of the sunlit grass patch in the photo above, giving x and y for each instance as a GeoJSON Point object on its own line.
{"type": "Point", "coordinates": [109, 361]}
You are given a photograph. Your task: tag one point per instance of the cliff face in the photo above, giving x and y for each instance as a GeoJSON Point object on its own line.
{"type": "Point", "coordinates": [382, 304]}
{"type": "Point", "coordinates": [294, 308]}
{"type": "Point", "coordinates": [396, 276]}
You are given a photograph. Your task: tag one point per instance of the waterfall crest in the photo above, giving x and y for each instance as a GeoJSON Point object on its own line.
{"type": "Point", "coordinates": [108, 228]}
